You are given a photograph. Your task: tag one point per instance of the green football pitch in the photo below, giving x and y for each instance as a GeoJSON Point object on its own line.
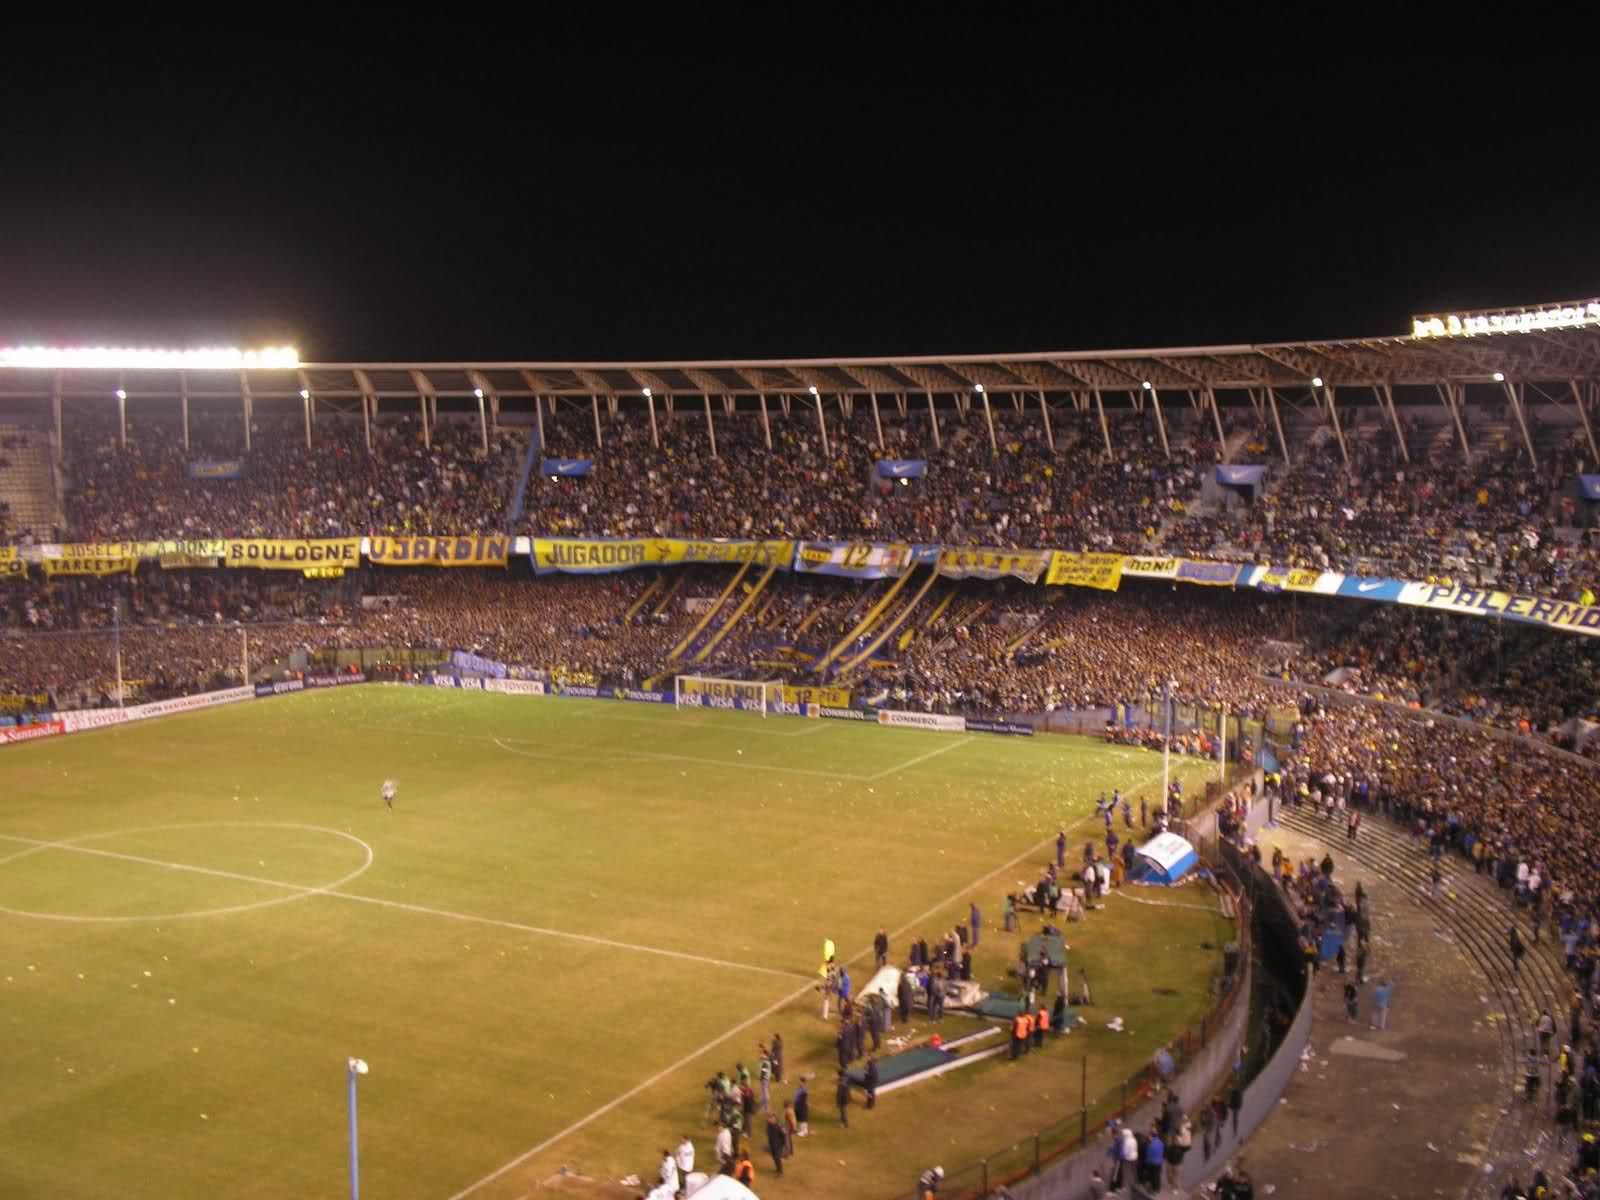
{"type": "Point", "coordinates": [575, 914]}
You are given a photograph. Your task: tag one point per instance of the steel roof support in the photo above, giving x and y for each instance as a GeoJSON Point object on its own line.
{"type": "Point", "coordinates": [1277, 424]}
{"type": "Point", "coordinates": [1161, 421]}
{"type": "Point", "coordinates": [1208, 397]}
{"type": "Point", "coordinates": [933, 416]}
{"type": "Point", "coordinates": [988, 416]}
{"type": "Point", "coordinates": [1514, 394]}
{"type": "Point", "coordinates": [1452, 401]}
{"type": "Point", "coordinates": [1583, 415]}
{"type": "Point", "coordinates": [245, 402]}
{"type": "Point", "coordinates": [538, 417]}
{"type": "Point", "coordinates": [900, 398]}
{"type": "Point", "coordinates": [655, 435]}
{"type": "Point", "coordinates": [122, 410]}
{"type": "Point", "coordinates": [822, 426]}
{"type": "Point", "coordinates": [420, 382]}
{"type": "Point", "coordinates": [482, 388]}
{"type": "Point", "coordinates": [711, 427]}
{"type": "Point", "coordinates": [1049, 434]}
{"type": "Point", "coordinates": [55, 409]}
{"type": "Point", "coordinates": [1385, 396]}
{"type": "Point", "coordinates": [1333, 415]}
{"type": "Point", "coordinates": [877, 422]}
{"type": "Point", "coordinates": [766, 423]}
{"type": "Point", "coordinates": [594, 404]}
{"type": "Point", "coordinates": [1105, 430]}
{"type": "Point", "coordinates": [369, 398]}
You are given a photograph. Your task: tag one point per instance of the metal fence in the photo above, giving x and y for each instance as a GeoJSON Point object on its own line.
{"type": "Point", "coordinates": [1029, 1154]}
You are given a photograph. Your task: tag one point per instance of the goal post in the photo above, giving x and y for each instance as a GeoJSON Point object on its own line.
{"type": "Point", "coordinates": [705, 691]}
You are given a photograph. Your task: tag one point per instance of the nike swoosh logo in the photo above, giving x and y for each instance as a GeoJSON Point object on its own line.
{"type": "Point", "coordinates": [1368, 586]}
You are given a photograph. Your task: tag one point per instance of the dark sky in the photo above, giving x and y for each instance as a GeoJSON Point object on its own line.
{"type": "Point", "coordinates": [1037, 189]}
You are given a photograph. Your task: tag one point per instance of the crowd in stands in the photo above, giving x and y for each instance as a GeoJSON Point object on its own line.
{"type": "Point", "coordinates": [145, 490]}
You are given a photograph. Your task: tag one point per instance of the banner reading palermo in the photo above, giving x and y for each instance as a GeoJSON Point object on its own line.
{"type": "Point", "coordinates": [292, 554]}
{"type": "Point", "coordinates": [1511, 606]}
{"type": "Point", "coordinates": [976, 562]}
{"type": "Point", "coordinates": [589, 556]}
{"type": "Point", "coordinates": [1102, 571]}
{"type": "Point", "coordinates": [475, 551]}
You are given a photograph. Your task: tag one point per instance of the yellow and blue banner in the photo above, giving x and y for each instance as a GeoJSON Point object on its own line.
{"type": "Point", "coordinates": [292, 554]}
{"type": "Point", "coordinates": [861, 560]}
{"type": "Point", "coordinates": [590, 556]}
{"type": "Point", "coordinates": [979, 562]}
{"type": "Point", "coordinates": [475, 550]}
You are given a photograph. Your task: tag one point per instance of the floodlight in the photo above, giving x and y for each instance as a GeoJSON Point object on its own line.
{"type": "Point", "coordinates": [647, 391]}
{"type": "Point", "coordinates": [121, 395]}
{"type": "Point", "coordinates": [1316, 381]}
{"type": "Point", "coordinates": [813, 391]}
{"type": "Point", "coordinates": [358, 1066]}
{"type": "Point", "coordinates": [304, 394]}
{"type": "Point", "coordinates": [1147, 386]}
{"type": "Point", "coordinates": [977, 387]}
{"type": "Point", "coordinates": [1499, 376]}
{"type": "Point", "coordinates": [478, 392]}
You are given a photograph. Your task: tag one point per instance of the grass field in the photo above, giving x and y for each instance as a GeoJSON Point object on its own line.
{"type": "Point", "coordinates": [578, 911]}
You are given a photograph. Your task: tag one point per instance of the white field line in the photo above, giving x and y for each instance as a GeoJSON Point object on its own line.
{"type": "Point", "coordinates": [953, 744]}
{"type": "Point", "coordinates": [811, 727]}
{"type": "Point", "coordinates": [516, 1162]}
{"type": "Point", "coordinates": [35, 845]}
{"type": "Point", "coordinates": [653, 756]}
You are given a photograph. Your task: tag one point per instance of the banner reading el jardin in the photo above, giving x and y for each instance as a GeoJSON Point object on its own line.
{"type": "Point", "coordinates": [292, 554]}
{"type": "Point", "coordinates": [478, 550]}
{"type": "Point", "coordinates": [1102, 571]}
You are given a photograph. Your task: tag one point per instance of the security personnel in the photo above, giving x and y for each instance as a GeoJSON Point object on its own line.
{"type": "Point", "coordinates": [1019, 1034]}
{"type": "Point", "coordinates": [1041, 1025]}
{"type": "Point", "coordinates": [1027, 1029]}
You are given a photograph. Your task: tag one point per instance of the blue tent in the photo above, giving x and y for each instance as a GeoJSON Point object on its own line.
{"type": "Point", "coordinates": [1163, 861]}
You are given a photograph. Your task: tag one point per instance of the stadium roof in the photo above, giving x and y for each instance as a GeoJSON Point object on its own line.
{"type": "Point", "coordinates": [1548, 344]}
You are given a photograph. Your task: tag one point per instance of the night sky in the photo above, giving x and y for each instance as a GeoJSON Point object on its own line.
{"type": "Point", "coordinates": [646, 201]}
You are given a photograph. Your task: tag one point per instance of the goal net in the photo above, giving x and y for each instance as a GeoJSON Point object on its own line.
{"type": "Point", "coordinates": [703, 691]}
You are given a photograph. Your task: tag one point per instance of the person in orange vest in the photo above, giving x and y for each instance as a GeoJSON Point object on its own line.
{"type": "Point", "coordinates": [745, 1171]}
{"type": "Point", "coordinates": [1018, 1034]}
{"type": "Point", "coordinates": [1041, 1025]}
{"type": "Point", "coordinates": [1027, 1030]}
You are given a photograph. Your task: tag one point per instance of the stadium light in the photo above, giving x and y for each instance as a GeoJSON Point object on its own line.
{"type": "Point", "coordinates": [813, 391]}
{"type": "Point", "coordinates": [143, 358]}
{"type": "Point", "coordinates": [1499, 376]}
{"type": "Point", "coordinates": [478, 392]}
{"type": "Point", "coordinates": [1316, 381]}
{"type": "Point", "coordinates": [304, 394]}
{"type": "Point", "coordinates": [1147, 386]}
{"type": "Point", "coordinates": [977, 387]}
{"type": "Point", "coordinates": [647, 391]}
{"type": "Point", "coordinates": [354, 1068]}
{"type": "Point", "coordinates": [121, 395]}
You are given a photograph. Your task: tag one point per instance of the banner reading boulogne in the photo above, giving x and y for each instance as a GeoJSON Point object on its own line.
{"type": "Point", "coordinates": [977, 562]}
{"type": "Point", "coordinates": [1102, 571]}
{"type": "Point", "coordinates": [288, 554]}
{"type": "Point", "coordinates": [478, 550]}
{"type": "Point", "coordinates": [588, 556]}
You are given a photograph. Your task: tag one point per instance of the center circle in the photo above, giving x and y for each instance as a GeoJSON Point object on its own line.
{"type": "Point", "coordinates": [294, 891]}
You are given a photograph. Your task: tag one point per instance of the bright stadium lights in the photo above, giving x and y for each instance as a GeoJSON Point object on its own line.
{"type": "Point", "coordinates": [813, 391]}
{"type": "Point", "coordinates": [1499, 376]}
{"type": "Point", "coordinates": [1316, 381]}
{"type": "Point", "coordinates": [647, 391]}
{"type": "Point", "coordinates": [141, 358]}
{"type": "Point", "coordinates": [121, 395]}
{"type": "Point", "coordinates": [305, 394]}
{"type": "Point", "coordinates": [978, 387]}
{"type": "Point", "coordinates": [478, 392]}
{"type": "Point", "coordinates": [1576, 314]}
{"type": "Point", "coordinates": [1147, 386]}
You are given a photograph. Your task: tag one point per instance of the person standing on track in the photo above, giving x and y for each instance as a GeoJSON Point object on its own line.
{"type": "Point", "coordinates": [841, 1097]}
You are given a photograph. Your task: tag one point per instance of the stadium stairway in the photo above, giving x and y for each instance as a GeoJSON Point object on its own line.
{"type": "Point", "coordinates": [865, 625]}
{"type": "Point", "coordinates": [887, 628]}
{"type": "Point", "coordinates": [699, 626]}
{"type": "Point", "coordinates": [735, 616]}
{"type": "Point", "coordinates": [27, 481]}
{"type": "Point", "coordinates": [1473, 914]}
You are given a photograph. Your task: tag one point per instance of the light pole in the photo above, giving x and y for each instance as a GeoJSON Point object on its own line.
{"type": "Point", "coordinates": [353, 1068]}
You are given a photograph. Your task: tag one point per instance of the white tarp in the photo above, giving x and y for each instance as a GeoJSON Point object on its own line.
{"type": "Point", "coordinates": [1166, 858]}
